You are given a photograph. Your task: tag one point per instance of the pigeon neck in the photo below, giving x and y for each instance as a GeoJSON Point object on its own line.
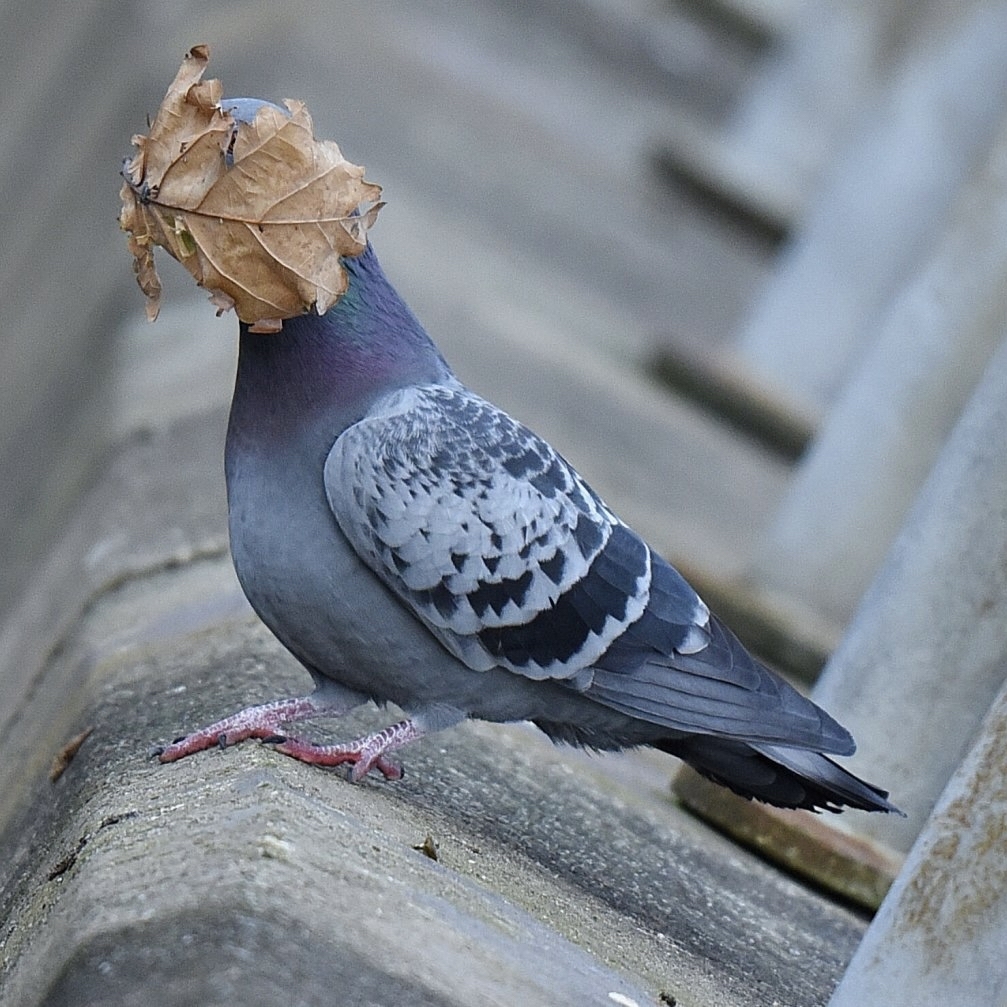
{"type": "Point", "coordinates": [324, 373]}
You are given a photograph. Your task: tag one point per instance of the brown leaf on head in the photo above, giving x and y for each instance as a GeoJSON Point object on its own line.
{"type": "Point", "coordinates": [259, 213]}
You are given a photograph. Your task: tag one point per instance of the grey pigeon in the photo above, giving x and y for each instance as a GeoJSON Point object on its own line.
{"type": "Point", "coordinates": [411, 543]}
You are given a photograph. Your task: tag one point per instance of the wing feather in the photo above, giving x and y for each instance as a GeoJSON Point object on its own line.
{"type": "Point", "coordinates": [487, 533]}
{"type": "Point", "coordinates": [511, 560]}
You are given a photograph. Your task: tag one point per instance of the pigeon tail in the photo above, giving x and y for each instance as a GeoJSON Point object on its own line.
{"type": "Point", "coordinates": [784, 777]}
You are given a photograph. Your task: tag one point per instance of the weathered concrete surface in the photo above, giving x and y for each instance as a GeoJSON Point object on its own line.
{"type": "Point", "coordinates": [561, 878]}
{"type": "Point", "coordinates": [241, 876]}
{"type": "Point", "coordinates": [135, 627]}
{"type": "Point", "coordinates": [240, 883]}
{"type": "Point", "coordinates": [856, 869]}
{"type": "Point", "coordinates": [160, 503]}
{"type": "Point", "coordinates": [553, 885]}
{"type": "Point", "coordinates": [940, 935]}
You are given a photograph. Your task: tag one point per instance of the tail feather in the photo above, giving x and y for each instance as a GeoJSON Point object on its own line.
{"type": "Point", "coordinates": [785, 777]}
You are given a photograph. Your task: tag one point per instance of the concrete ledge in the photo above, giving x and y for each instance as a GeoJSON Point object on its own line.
{"type": "Point", "coordinates": [237, 882]}
{"type": "Point", "coordinates": [560, 879]}
{"type": "Point", "coordinates": [159, 501]}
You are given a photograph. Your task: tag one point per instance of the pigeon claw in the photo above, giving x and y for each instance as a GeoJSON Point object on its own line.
{"type": "Point", "coordinates": [254, 722]}
{"type": "Point", "coordinates": [355, 752]}
{"type": "Point", "coordinates": [364, 754]}
{"type": "Point", "coordinates": [265, 722]}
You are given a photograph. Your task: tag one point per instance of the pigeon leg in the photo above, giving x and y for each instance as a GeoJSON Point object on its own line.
{"type": "Point", "coordinates": [263, 721]}
{"type": "Point", "coordinates": [365, 753]}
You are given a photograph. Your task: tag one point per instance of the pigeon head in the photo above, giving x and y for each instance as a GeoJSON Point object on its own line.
{"type": "Point", "coordinates": [245, 109]}
{"type": "Point", "coordinates": [368, 343]}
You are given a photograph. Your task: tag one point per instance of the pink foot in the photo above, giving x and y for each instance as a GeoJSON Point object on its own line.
{"type": "Point", "coordinates": [263, 721]}
{"type": "Point", "coordinates": [365, 753]}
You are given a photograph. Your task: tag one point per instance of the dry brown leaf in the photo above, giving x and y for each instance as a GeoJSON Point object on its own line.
{"type": "Point", "coordinates": [259, 213]}
{"type": "Point", "coordinates": [66, 754]}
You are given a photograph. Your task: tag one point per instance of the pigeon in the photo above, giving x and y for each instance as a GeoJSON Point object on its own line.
{"type": "Point", "coordinates": [410, 543]}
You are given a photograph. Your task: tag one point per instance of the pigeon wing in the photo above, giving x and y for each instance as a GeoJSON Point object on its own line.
{"type": "Point", "coordinates": [489, 535]}
{"type": "Point", "coordinates": [511, 560]}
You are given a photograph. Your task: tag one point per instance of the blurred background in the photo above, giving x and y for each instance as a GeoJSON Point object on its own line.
{"type": "Point", "coordinates": [742, 261]}
{"type": "Point", "coordinates": [516, 145]}
{"type": "Point", "coordinates": [684, 240]}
